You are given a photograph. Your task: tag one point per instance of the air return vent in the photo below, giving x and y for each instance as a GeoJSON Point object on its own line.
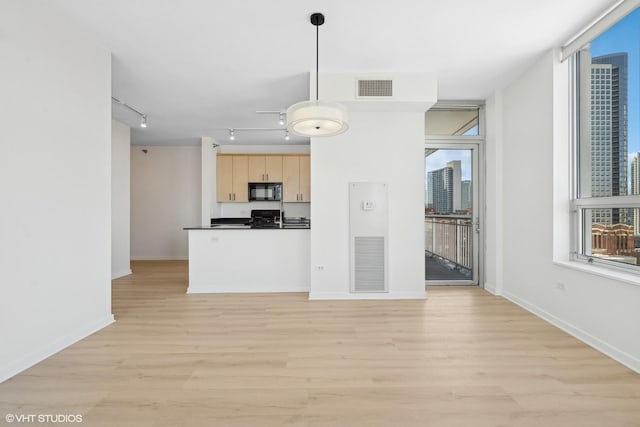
{"type": "Point", "coordinates": [368, 237]}
{"type": "Point", "coordinates": [369, 264]}
{"type": "Point", "coordinates": [375, 88]}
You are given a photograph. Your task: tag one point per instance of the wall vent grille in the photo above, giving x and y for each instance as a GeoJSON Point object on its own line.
{"type": "Point", "coordinates": [369, 264]}
{"type": "Point", "coordinates": [375, 88]}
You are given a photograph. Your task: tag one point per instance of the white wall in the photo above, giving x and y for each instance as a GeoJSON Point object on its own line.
{"type": "Point", "coordinates": [379, 147]}
{"type": "Point", "coordinates": [208, 149]}
{"type": "Point", "coordinates": [493, 195]}
{"type": "Point", "coordinates": [120, 199]}
{"type": "Point", "coordinates": [165, 197]}
{"type": "Point", "coordinates": [55, 185]}
{"type": "Point", "coordinates": [532, 183]}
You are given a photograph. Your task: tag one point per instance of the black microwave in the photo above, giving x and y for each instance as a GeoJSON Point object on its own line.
{"type": "Point", "coordinates": [261, 191]}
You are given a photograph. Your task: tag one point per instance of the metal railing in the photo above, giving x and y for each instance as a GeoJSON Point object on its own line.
{"type": "Point", "coordinates": [450, 237]}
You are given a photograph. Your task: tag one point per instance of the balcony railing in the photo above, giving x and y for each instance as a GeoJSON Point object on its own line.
{"type": "Point", "coordinates": [451, 238]}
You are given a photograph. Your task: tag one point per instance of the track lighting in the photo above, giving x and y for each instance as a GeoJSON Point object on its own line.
{"type": "Point", "coordinates": [281, 115]}
{"type": "Point", "coordinates": [143, 116]}
{"type": "Point", "coordinates": [232, 132]}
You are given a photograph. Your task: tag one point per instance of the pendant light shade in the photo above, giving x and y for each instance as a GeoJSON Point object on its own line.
{"type": "Point", "coordinates": [317, 118]}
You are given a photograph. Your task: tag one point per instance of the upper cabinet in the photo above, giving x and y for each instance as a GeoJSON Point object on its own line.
{"type": "Point", "coordinates": [305, 178]}
{"type": "Point", "coordinates": [265, 168]}
{"type": "Point", "coordinates": [296, 178]}
{"type": "Point", "coordinates": [232, 178]}
{"type": "Point", "coordinates": [235, 171]}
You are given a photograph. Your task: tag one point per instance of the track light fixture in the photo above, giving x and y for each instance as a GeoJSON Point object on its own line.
{"type": "Point", "coordinates": [232, 132]}
{"type": "Point", "coordinates": [281, 115]}
{"type": "Point", "coordinates": [143, 116]}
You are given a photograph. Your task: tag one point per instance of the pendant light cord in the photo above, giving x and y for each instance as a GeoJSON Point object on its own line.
{"type": "Point", "coordinates": [317, 59]}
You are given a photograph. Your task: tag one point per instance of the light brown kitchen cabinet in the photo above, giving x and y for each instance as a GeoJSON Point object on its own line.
{"type": "Point", "coordinates": [265, 168]}
{"type": "Point", "coordinates": [232, 178]}
{"type": "Point", "coordinates": [296, 178]}
{"type": "Point", "coordinates": [305, 178]}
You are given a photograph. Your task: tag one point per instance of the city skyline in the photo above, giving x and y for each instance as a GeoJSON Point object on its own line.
{"type": "Point", "coordinates": [608, 130]}
{"type": "Point", "coordinates": [625, 37]}
{"type": "Point", "coordinates": [446, 192]}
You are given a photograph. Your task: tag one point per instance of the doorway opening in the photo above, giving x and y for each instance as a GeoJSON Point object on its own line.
{"type": "Point", "coordinates": [452, 179]}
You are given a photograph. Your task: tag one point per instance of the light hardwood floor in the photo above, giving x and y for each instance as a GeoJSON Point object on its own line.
{"type": "Point", "coordinates": [461, 358]}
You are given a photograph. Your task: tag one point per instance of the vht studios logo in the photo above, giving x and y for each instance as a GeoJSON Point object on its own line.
{"type": "Point", "coordinates": [43, 418]}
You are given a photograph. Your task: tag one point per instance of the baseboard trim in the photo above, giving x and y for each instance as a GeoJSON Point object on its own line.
{"type": "Point", "coordinates": [120, 274]}
{"type": "Point", "coordinates": [246, 289]}
{"type": "Point", "coordinates": [159, 258]}
{"type": "Point", "coordinates": [35, 357]}
{"type": "Point", "coordinates": [491, 288]}
{"type": "Point", "coordinates": [616, 354]}
{"type": "Point", "coordinates": [367, 296]}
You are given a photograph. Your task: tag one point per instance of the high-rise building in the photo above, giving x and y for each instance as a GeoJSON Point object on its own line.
{"type": "Point", "coordinates": [456, 167]}
{"type": "Point", "coordinates": [441, 189]}
{"type": "Point", "coordinates": [466, 201]}
{"type": "Point", "coordinates": [635, 189]}
{"type": "Point", "coordinates": [444, 186]}
{"type": "Point", "coordinates": [429, 191]}
{"type": "Point", "coordinates": [609, 133]}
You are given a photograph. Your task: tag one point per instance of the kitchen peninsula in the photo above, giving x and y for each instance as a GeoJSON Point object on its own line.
{"type": "Point", "coordinates": [236, 258]}
{"type": "Point", "coordinates": [258, 254]}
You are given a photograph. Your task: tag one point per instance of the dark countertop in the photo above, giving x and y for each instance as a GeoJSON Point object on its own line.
{"type": "Point", "coordinates": [243, 224]}
{"type": "Point", "coordinates": [224, 221]}
{"type": "Point", "coordinates": [248, 227]}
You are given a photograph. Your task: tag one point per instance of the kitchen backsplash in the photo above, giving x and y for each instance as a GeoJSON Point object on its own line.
{"type": "Point", "coordinates": [243, 210]}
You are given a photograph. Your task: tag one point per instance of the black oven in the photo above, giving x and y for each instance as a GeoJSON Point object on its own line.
{"type": "Point", "coordinates": [261, 191]}
{"type": "Point", "coordinates": [265, 218]}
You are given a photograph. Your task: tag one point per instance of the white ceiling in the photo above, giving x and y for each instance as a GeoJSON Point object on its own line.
{"type": "Point", "coordinates": [198, 67]}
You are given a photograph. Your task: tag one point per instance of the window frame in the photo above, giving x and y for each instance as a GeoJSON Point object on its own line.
{"type": "Point", "coordinates": [578, 205]}
{"type": "Point", "coordinates": [461, 105]}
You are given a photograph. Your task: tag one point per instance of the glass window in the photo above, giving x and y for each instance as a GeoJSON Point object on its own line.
{"type": "Point", "coordinates": [452, 121]}
{"type": "Point", "coordinates": [607, 238]}
{"type": "Point", "coordinates": [608, 145]}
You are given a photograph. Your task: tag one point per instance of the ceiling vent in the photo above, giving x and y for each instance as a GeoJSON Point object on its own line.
{"type": "Point", "coordinates": [376, 88]}
{"type": "Point", "coordinates": [375, 92]}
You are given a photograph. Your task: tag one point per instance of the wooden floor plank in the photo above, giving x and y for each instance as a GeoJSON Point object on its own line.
{"type": "Point", "coordinates": [460, 358]}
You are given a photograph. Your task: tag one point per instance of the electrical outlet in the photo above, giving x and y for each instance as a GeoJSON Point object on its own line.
{"type": "Point", "coordinates": [319, 267]}
{"type": "Point", "coordinates": [560, 286]}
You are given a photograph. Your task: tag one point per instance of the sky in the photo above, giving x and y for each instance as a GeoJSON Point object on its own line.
{"type": "Point", "coordinates": [625, 37]}
{"type": "Point", "coordinates": [440, 158]}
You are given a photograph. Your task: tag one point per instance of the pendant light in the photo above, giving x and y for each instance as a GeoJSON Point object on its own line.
{"type": "Point", "coordinates": [317, 118]}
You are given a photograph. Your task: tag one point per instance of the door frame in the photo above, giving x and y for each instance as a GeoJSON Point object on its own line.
{"type": "Point", "coordinates": [476, 146]}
